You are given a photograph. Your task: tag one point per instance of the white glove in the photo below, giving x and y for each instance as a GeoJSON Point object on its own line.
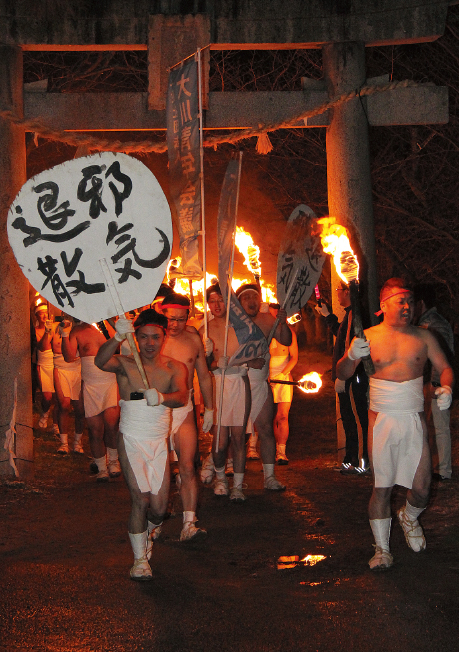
{"type": "Point", "coordinates": [359, 348]}
{"type": "Point", "coordinates": [444, 396]}
{"type": "Point", "coordinates": [322, 310]}
{"type": "Point", "coordinates": [222, 362]}
{"type": "Point", "coordinates": [264, 307]}
{"type": "Point", "coordinates": [48, 326]}
{"type": "Point", "coordinates": [208, 420]}
{"type": "Point", "coordinates": [153, 396]}
{"type": "Point", "coordinates": [64, 328]}
{"type": "Point", "coordinates": [123, 326]}
{"type": "Point", "coordinates": [340, 386]}
{"type": "Point", "coordinates": [208, 346]}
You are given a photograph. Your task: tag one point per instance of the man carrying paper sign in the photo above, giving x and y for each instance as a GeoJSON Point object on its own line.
{"type": "Point", "coordinates": [144, 426]}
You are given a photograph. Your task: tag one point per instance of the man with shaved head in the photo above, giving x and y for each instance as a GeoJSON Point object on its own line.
{"type": "Point", "coordinates": [397, 433]}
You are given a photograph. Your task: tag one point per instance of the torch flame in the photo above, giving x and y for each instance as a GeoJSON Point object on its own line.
{"type": "Point", "coordinates": [335, 241]}
{"type": "Point", "coordinates": [294, 319]}
{"type": "Point", "coordinates": [249, 250]}
{"type": "Point", "coordinates": [312, 378]}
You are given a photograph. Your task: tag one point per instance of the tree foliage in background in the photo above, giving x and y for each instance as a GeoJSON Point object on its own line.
{"type": "Point", "coordinates": [414, 169]}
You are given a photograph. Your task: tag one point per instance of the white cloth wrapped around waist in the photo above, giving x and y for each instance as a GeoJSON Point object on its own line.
{"type": "Point", "coordinates": [45, 358]}
{"type": "Point", "coordinates": [281, 393]}
{"type": "Point", "coordinates": [145, 430]}
{"type": "Point", "coordinates": [231, 371]}
{"type": "Point", "coordinates": [398, 433]}
{"type": "Point", "coordinates": [45, 369]}
{"type": "Point", "coordinates": [60, 363]}
{"type": "Point", "coordinates": [100, 389]}
{"type": "Point", "coordinates": [388, 396]}
{"type": "Point", "coordinates": [233, 405]}
{"type": "Point", "coordinates": [143, 421]}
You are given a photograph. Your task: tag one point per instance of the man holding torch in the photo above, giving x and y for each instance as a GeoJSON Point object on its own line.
{"type": "Point", "coordinates": [262, 412]}
{"type": "Point", "coordinates": [344, 332]}
{"type": "Point", "coordinates": [398, 444]}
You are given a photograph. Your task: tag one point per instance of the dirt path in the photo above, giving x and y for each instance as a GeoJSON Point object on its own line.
{"type": "Point", "coordinates": [65, 558]}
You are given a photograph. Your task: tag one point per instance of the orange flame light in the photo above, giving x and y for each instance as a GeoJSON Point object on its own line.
{"type": "Point", "coordinates": [335, 241]}
{"type": "Point", "coordinates": [312, 377]}
{"type": "Point", "coordinates": [249, 250]}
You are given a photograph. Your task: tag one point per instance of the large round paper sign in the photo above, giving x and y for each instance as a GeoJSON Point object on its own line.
{"type": "Point", "coordinates": [101, 212]}
{"type": "Point", "coordinates": [300, 260]}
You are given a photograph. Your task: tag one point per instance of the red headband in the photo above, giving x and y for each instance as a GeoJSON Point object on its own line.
{"type": "Point", "coordinates": [174, 305]}
{"type": "Point", "coordinates": [380, 312]}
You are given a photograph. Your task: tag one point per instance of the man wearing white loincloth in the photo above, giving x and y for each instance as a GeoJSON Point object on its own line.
{"type": "Point", "coordinates": [283, 360]}
{"type": "Point", "coordinates": [262, 410]}
{"type": "Point", "coordinates": [184, 344]}
{"type": "Point", "coordinates": [144, 426]}
{"type": "Point", "coordinates": [67, 385]}
{"type": "Point", "coordinates": [100, 395]}
{"type": "Point", "coordinates": [236, 398]}
{"type": "Point", "coordinates": [398, 446]}
{"type": "Point", "coordinates": [45, 364]}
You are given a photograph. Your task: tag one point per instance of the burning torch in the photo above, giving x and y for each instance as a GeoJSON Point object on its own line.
{"type": "Point", "coordinates": [309, 384]}
{"type": "Point", "coordinates": [250, 251]}
{"type": "Point", "coordinates": [335, 241]}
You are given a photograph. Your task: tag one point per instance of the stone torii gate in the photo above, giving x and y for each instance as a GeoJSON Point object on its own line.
{"type": "Point", "coordinates": [171, 30]}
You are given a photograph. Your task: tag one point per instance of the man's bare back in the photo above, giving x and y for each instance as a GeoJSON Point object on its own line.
{"type": "Point", "coordinates": [85, 338]}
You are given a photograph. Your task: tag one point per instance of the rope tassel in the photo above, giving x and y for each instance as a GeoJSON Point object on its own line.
{"type": "Point", "coordinates": [264, 145]}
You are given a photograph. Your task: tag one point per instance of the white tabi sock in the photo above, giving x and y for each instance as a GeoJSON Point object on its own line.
{"type": "Point", "coordinates": [413, 512]}
{"type": "Point", "coordinates": [237, 480]}
{"type": "Point", "coordinates": [381, 531]}
{"type": "Point", "coordinates": [112, 454]}
{"type": "Point", "coordinates": [281, 448]}
{"type": "Point", "coordinates": [220, 473]}
{"type": "Point", "coordinates": [78, 436]}
{"type": "Point", "coordinates": [139, 544]}
{"type": "Point", "coordinates": [64, 438]}
{"type": "Point", "coordinates": [102, 466]}
{"type": "Point", "coordinates": [56, 429]}
{"type": "Point", "coordinates": [268, 470]}
{"type": "Point", "coordinates": [189, 517]}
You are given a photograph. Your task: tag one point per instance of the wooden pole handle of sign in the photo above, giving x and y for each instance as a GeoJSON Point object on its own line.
{"type": "Point", "coordinates": [119, 309]}
{"type": "Point", "coordinates": [229, 282]}
{"type": "Point", "coordinates": [284, 303]}
{"type": "Point", "coordinates": [358, 326]}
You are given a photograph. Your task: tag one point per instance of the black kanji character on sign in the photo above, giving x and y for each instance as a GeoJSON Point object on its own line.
{"type": "Point", "coordinates": [115, 171]}
{"type": "Point", "coordinates": [94, 194]}
{"type": "Point", "coordinates": [49, 269]}
{"type": "Point", "coordinates": [58, 215]}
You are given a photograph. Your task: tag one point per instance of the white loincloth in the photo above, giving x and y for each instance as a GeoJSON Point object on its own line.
{"type": "Point", "coordinates": [45, 368]}
{"type": "Point", "coordinates": [281, 393]}
{"type": "Point", "coordinates": [179, 415]}
{"type": "Point", "coordinates": [145, 429]}
{"type": "Point", "coordinates": [397, 434]}
{"type": "Point", "coordinates": [259, 388]}
{"type": "Point", "coordinates": [100, 390]}
{"type": "Point", "coordinates": [69, 374]}
{"type": "Point", "coordinates": [233, 408]}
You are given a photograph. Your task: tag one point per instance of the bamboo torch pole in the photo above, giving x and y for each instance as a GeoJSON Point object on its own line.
{"type": "Point", "coordinates": [119, 309]}
{"type": "Point", "coordinates": [228, 303]}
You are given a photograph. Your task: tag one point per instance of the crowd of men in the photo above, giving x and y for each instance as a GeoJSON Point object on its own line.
{"type": "Point", "coordinates": [136, 415]}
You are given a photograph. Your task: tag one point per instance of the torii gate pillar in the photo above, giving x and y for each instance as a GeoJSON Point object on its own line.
{"type": "Point", "coordinates": [14, 293]}
{"type": "Point", "coordinates": [348, 158]}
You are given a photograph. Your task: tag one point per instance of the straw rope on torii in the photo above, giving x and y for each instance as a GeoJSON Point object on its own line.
{"type": "Point", "coordinates": [147, 146]}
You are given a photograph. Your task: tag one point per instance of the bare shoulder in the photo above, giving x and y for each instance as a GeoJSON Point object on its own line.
{"type": "Point", "coordinates": [191, 329]}
{"type": "Point", "coordinates": [373, 330]}
{"type": "Point", "coordinates": [171, 364]}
